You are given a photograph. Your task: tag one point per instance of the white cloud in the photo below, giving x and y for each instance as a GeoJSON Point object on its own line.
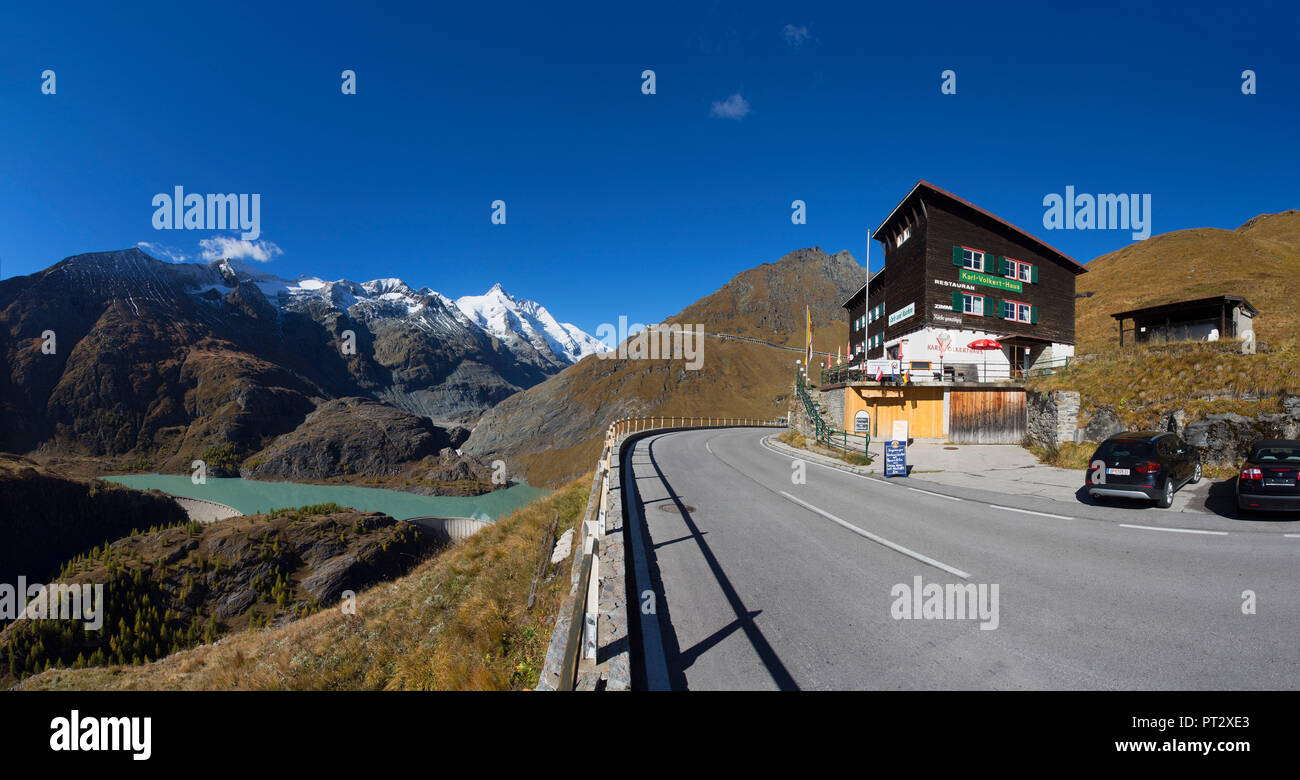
{"type": "Point", "coordinates": [169, 253]}
{"type": "Point", "coordinates": [229, 247]}
{"type": "Point", "coordinates": [796, 36]}
{"type": "Point", "coordinates": [734, 107]}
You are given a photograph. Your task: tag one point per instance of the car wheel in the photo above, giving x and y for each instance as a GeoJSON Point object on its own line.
{"type": "Point", "coordinates": [1196, 475]}
{"type": "Point", "coordinates": [1166, 499]}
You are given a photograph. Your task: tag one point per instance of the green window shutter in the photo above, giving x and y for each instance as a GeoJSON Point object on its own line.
{"type": "Point", "coordinates": [1033, 314]}
{"type": "Point", "coordinates": [996, 303]}
{"type": "Point", "coordinates": [1033, 274]}
{"type": "Point", "coordinates": [1000, 265]}
{"type": "Point", "coordinates": [956, 302]}
{"type": "Point", "coordinates": [957, 256]}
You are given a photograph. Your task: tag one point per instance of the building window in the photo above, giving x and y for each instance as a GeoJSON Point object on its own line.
{"type": "Point", "coordinates": [972, 259]}
{"type": "Point", "coordinates": [1020, 312]}
{"type": "Point", "coordinates": [972, 304]}
{"type": "Point", "coordinates": [902, 236]}
{"type": "Point", "coordinates": [1015, 269]}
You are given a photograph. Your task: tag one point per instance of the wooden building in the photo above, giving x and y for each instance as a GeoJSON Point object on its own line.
{"type": "Point", "coordinates": [1202, 319]}
{"type": "Point", "coordinates": [954, 274]}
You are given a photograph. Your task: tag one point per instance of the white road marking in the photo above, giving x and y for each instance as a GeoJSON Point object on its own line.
{"type": "Point", "coordinates": [879, 539]}
{"type": "Point", "coordinates": [1031, 512]}
{"type": "Point", "coordinates": [1175, 530]}
{"type": "Point", "coordinates": [938, 495]}
{"type": "Point", "coordinates": [1292, 536]}
{"type": "Point", "coordinates": [707, 447]}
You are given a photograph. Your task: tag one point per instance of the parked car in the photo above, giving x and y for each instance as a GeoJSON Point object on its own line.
{"type": "Point", "coordinates": [1270, 477]}
{"type": "Point", "coordinates": [1142, 464]}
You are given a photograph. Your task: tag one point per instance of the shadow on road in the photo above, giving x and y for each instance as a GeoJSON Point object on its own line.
{"type": "Point", "coordinates": [680, 660]}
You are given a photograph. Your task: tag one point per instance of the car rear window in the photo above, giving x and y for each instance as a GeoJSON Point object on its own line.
{"type": "Point", "coordinates": [1276, 455]}
{"type": "Point", "coordinates": [1124, 448]}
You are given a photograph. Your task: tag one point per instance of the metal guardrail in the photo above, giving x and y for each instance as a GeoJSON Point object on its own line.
{"type": "Point", "coordinates": [969, 371]}
{"type": "Point", "coordinates": [581, 640]}
{"type": "Point", "coordinates": [823, 431]}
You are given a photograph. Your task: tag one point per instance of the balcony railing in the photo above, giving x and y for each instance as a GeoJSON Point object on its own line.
{"type": "Point", "coordinates": [966, 371]}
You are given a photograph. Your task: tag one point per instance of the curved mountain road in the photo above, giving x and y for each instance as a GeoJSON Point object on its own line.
{"type": "Point", "coordinates": [763, 583]}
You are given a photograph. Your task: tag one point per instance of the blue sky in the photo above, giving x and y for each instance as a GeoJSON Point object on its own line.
{"type": "Point", "coordinates": [620, 203]}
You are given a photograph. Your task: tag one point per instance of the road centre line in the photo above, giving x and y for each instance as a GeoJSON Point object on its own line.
{"type": "Point", "coordinates": [1031, 512]}
{"type": "Point", "coordinates": [879, 539]}
{"type": "Point", "coordinates": [932, 493]}
{"type": "Point", "coordinates": [1174, 530]}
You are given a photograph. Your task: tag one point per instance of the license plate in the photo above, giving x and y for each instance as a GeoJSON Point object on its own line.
{"type": "Point", "coordinates": [1278, 483]}
{"type": "Point", "coordinates": [1117, 472]}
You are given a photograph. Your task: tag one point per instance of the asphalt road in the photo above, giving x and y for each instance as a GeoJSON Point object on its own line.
{"type": "Point", "coordinates": [762, 583]}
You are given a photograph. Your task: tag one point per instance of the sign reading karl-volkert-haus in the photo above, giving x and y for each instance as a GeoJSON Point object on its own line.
{"type": "Point", "coordinates": [895, 459]}
{"type": "Point", "coordinates": [988, 280]}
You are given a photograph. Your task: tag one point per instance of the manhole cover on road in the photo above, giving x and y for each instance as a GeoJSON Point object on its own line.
{"type": "Point", "coordinates": [950, 448]}
{"type": "Point", "coordinates": [673, 508]}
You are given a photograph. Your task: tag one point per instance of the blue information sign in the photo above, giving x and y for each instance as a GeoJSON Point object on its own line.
{"type": "Point", "coordinates": [895, 459]}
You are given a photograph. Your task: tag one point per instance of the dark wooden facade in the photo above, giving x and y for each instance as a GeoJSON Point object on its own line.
{"type": "Point", "coordinates": [921, 271]}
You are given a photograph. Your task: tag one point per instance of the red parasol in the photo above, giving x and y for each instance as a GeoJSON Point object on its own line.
{"type": "Point", "coordinates": [984, 345]}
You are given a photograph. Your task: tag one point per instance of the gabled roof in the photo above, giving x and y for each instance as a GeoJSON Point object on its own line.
{"type": "Point", "coordinates": [925, 187]}
{"type": "Point", "coordinates": [1169, 308]}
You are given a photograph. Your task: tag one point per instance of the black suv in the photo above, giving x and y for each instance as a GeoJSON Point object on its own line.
{"type": "Point", "coordinates": [1142, 464]}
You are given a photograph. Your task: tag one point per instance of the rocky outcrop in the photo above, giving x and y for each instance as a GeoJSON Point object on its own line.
{"type": "Point", "coordinates": [349, 436]}
{"type": "Point", "coordinates": [1222, 438]}
{"type": "Point", "coordinates": [1102, 425]}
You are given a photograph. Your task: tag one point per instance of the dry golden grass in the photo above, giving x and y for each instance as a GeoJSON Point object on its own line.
{"type": "Point", "coordinates": [1259, 260]}
{"type": "Point", "coordinates": [1143, 384]}
{"type": "Point", "coordinates": [456, 622]}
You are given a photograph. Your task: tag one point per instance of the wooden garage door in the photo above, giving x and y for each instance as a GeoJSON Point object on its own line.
{"type": "Point", "coordinates": [987, 416]}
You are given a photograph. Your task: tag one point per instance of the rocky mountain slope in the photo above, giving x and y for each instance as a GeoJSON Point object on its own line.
{"type": "Point", "coordinates": [119, 354]}
{"type": "Point", "coordinates": [551, 432]}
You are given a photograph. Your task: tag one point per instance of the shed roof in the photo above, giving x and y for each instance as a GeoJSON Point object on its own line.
{"type": "Point", "coordinates": [1175, 306]}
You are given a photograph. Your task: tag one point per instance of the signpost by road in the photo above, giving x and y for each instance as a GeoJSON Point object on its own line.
{"type": "Point", "coordinates": [862, 422]}
{"type": "Point", "coordinates": [896, 458]}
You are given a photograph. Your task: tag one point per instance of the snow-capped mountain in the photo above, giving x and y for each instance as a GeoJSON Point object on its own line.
{"type": "Point", "coordinates": [524, 326]}
{"type": "Point", "coordinates": [514, 320]}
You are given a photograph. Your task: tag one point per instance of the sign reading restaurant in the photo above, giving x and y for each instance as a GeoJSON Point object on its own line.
{"type": "Point", "coordinates": [902, 314]}
{"type": "Point", "coordinates": [998, 282]}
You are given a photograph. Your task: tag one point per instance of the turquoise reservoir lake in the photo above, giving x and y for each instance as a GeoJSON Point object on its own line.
{"type": "Point", "coordinates": [255, 496]}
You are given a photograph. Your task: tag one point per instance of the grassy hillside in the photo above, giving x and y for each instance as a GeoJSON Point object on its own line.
{"type": "Point", "coordinates": [1259, 260]}
{"type": "Point", "coordinates": [552, 432]}
{"type": "Point", "coordinates": [457, 621]}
